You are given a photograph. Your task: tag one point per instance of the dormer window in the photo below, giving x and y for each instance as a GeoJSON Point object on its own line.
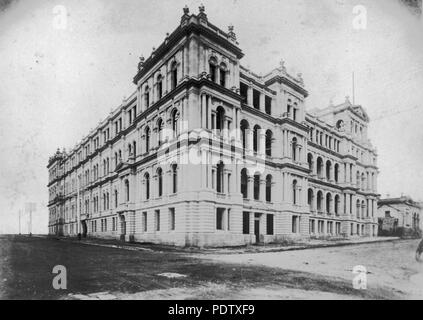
{"type": "Point", "coordinates": [223, 71]}
{"type": "Point", "coordinates": [213, 69]}
{"type": "Point", "coordinates": [174, 75]}
{"type": "Point", "coordinates": [159, 87]}
{"type": "Point", "coordinates": [147, 96]}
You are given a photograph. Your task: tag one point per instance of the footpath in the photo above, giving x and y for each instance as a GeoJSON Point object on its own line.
{"type": "Point", "coordinates": [292, 246]}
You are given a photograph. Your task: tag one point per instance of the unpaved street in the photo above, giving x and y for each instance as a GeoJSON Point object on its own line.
{"type": "Point", "coordinates": [99, 270]}
{"type": "Point", "coordinates": [389, 264]}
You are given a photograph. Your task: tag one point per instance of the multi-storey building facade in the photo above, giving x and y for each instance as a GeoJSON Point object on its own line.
{"type": "Point", "coordinates": [400, 212]}
{"type": "Point", "coordinates": [207, 153]}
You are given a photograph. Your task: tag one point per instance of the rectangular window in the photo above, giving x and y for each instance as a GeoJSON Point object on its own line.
{"type": "Point", "coordinates": [157, 220]}
{"type": "Point", "coordinates": [256, 99]}
{"type": "Point", "coordinates": [244, 91]}
{"type": "Point", "coordinates": [268, 102]}
{"type": "Point", "coordinates": [312, 226]}
{"type": "Point", "coordinates": [144, 221]}
{"type": "Point", "coordinates": [229, 219]}
{"type": "Point", "coordinates": [387, 214]}
{"type": "Point", "coordinates": [219, 218]}
{"type": "Point", "coordinates": [172, 224]}
{"type": "Point", "coordinates": [269, 221]}
{"type": "Point", "coordinates": [246, 223]}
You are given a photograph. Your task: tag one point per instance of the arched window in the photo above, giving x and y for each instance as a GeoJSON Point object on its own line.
{"type": "Point", "coordinates": [147, 139]}
{"type": "Point", "coordinates": [363, 181]}
{"type": "Point", "coordinates": [310, 199]}
{"type": "Point", "coordinates": [358, 180]}
{"type": "Point", "coordinates": [358, 208]}
{"type": "Point", "coordinates": [256, 187]}
{"type": "Point", "coordinates": [244, 132]}
{"type": "Point", "coordinates": [116, 198]}
{"type": "Point", "coordinates": [294, 192]}
{"type": "Point", "coordinates": [337, 203]}
{"type": "Point", "coordinates": [134, 149]}
{"type": "Point", "coordinates": [160, 127]}
{"type": "Point", "coordinates": [269, 188]}
{"type": "Point", "coordinates": [220, 118]}
{"type": "Point", "coordinates": [244, 183]}
{"type": "Point", "coordinates": [328, 170]}
{"type": "Point", "coordinates": [213, 69]}
{"type": "Point", "coordinates": [363, 209]}
{"type": "Point", "coordinates": [159, 87]}
{"type": "Point", "coordinates": [319, 167]}
{"type": "Point", "coordinates": [223, 71]}
{"type": "Point", "coordinates": [328, 203]}
{"type": "Point", "coordinates": [147, 186]}
{"type": "Point", "coordinates": [175, 123]}
{"type": "Point", "coordinates": [127, 190]}
{"type": "Point", "coordinates": [256, 138]}
{"type": "Point", "coordinates": [294, 149]}
{"type": "Point", "coordinates": [174, 75]}
{"type": "Point", "coordinates": [219, 177]}
{"type": "Point", "coordinates": [319, 201]}
{"type": "Point", "coordinates": [269, 138]}
{"type": "Point", "coordinates": [336, 173]}
{"type": "Point", "coordinates": [147, 96]}
{"type": "Point", "coordinates": [129, 149]}
{"type": "Point", "coordinates": [160, 181]}
{"type": "Point", "coordinates": [175, 178]}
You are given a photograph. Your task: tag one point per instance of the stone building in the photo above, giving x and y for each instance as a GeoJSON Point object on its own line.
{"type": "Point", "coordinates": [402, 212]}
{"type": "Point", "coordinates": [207, 153]}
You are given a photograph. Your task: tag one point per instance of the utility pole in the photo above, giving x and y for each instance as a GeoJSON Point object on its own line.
{"type": "Point", "coordinates": [30, 207]}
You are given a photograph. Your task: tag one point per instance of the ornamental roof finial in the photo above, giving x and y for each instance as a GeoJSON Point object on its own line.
{"type": "Point", "coordinates": [231, 32]}
{"type": "Point", "coordinates": [202, 9]}
{"type": "Point", "coordinates": [282, 65]}
{"type": "Point", "coordinates": [141, 63]}
{"type": "Point", "coordinates": [186, 10]}
{"type": "Point", "coordinates": [300, 78]}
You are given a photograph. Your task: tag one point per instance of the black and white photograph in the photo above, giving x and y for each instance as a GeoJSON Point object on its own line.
{"type": "Point", "coordinates": [213, 152]}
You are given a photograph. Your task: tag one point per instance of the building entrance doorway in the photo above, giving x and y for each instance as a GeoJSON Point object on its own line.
{"type": "Point", "coordinates": [122, 228]}
{"type": "Point", "coordinates": [84, 229]}
{"type": "Point", "coordinates": [257, 227]}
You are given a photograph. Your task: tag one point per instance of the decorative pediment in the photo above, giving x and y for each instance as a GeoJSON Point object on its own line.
{"type": "Point", "coordinates": [122, 166]}
{"type": "Point", "coordinates": [361, 112]}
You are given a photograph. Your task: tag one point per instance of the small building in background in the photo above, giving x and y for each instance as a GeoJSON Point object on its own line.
{"type": "Point", "coordinates": [399, 216]}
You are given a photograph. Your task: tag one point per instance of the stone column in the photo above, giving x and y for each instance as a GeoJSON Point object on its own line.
{"type": "Point", "coordinates": [262, 101]}
{"type": "Point", "coordinates": [209, 112]}
{"type": "Point", "coordinates": [203, 111]}
{"type": "Point", "coordinates": [251, 188]}
{"type": "Point", "coordinates": [262, 195]}
{"type": "Point", "coordinates": [262, 143]}
{"type": "Point", "coordinates": [250, 95]}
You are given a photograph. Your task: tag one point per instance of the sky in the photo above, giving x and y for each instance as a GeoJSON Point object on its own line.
{"type": "Point", "coordinates": [64, 65]}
